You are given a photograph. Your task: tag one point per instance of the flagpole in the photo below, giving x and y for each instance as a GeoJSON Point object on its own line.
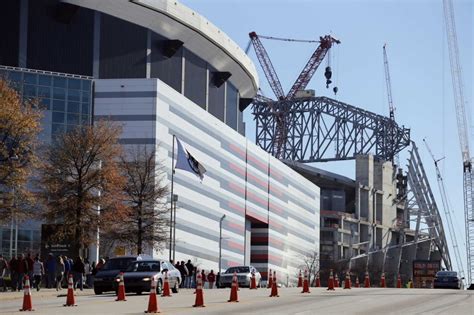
{"type": "Point", "coordinates": [171, 208]}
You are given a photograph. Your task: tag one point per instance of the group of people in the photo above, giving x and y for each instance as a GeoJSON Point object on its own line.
{"type": "Point", "coordinates": [189, 272]}
{"type": "Point", "coordinates": [53, 272]}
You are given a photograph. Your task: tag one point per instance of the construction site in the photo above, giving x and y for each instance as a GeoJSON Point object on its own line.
{"type": "Point", "coordinates": [384, 221]}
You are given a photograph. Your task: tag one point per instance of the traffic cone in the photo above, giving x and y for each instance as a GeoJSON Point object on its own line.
{"type": "Point", "coordinates": [253, 282]}
{"type": "Point", "coordinates": [233, 290]}
{"type": "Point", "coordinates": [274, 292]}
{"type": "Point", "coordinates": [70, 300]}
{"type": "Point", "coordinates": [199, 302]}
{"type": "Point", "coordinates": [300, 280]}
{"type": "Point", "coordinates": [399, 282]}
{"type": "Point", "coordinates": [367, 280]}
{"type": "Point", "coordinates": [166, 286]}
{"type": "Point", "coordinates": [153, 300]}
{"type": "Point", "coordinates": [331, 282]}
{"type": "Point", "coordinates": [347, 281]}
{"type": "Point", "coordinates": [270, 280]}
{"type": "Point", "coordinates": [27, 304]}
{"type": "Point", "coordinates": [336, 281]}
{"type": "Point", "coordinates": [357, 284]}
{"type": "Point", "coordinates": [121, 289]}
{"type": "Point", "coordinates": [305, 283]}
{"type": "Point", "coordinates": [318, 281]}
{"type": "Point", "coordinates": [382, 281]}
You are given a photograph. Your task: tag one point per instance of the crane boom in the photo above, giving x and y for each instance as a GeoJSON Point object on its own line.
{"type": "Point", "coordinates": [388, 82]}
{"type": "Point", "coordinates": [459, 103]}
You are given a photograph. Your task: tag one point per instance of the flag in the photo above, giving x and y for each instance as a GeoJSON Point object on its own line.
{"type": "Point", "coordinates": [185, 161]}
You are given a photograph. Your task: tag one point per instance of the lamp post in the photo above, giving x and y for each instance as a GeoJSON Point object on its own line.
{"type": "Point", "coordinates": [220, 242]}
{"type": "Point", "coordinates": [175, 201]}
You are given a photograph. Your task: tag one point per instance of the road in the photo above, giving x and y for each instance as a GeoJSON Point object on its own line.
{"type": "Point", "coordinates": [291, 301]}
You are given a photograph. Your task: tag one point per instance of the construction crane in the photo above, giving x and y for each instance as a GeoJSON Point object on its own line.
{"type": "Point", "coordinates": [447, 211]}
{"type": "Point", "coordinates": [280, 112]}
{"type": "Point", "coordinates": [459, 102]}
{"type": "Point", "coordinates": [388, 83]}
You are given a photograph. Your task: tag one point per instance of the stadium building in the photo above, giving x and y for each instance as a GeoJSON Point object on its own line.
{"type": "Point", "coordinates": [160, 69]}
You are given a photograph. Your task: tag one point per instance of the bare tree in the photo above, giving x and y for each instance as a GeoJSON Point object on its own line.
{"type": "Point", "coordinates": [147, 222]}
{"type": "Point", "coordinates": [310, 262]}
{"type": "Point", "coordinates": [80, 171]}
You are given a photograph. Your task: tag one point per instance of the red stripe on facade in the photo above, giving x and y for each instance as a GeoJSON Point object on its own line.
{"type": "Point", "coordinates": [262, 239]}
{"type": "Point", "coordinates": [233, 264]}
{"type": "Point", "coordinates": [237, 150]}
{"type": "Point", "coordinates": [237, 188]}
{"type": "Point", "coordinates": [276, 191]}
{"type": "Point", "coordinates": [275, 208]}
{"type": "Point", "coordinates": [237, 168]}
{"type": "Point", "coordinates": [276, 175]}
{"type": "Point", "coordinates": [255, 215]}
{"type": "Point", "coordinates": [238, 227]}
{"type": "Point", "coordinates": [237, 207]}
{"type": "Point", "coordinates": [235, 245]}
{"type": "Point", "coordinates": [260, 165]}
{"type": "Point", "coordinates": [257, 199]}
{"type": "Point", "coordinates": [263, 184]}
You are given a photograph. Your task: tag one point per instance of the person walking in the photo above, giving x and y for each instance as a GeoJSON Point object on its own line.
{"type": "Point", "coordinates": [22, 270]}
{"type": "Point", "coordinates": [50, 271]}
{"type": "Point", "coordinates": [59, 273]}
{"type": "Point", "coordinates": [184, 272]}
{"type": "Point", "coordinates": [211, 278]}
{"type": "Point", "coordinates": [189, 265]}
{"type": "Point", "coordinates": [204, 279]}
{"type": "Point", "coordinates": [30, 263]}
{"type": "Point", "coordinates": [38, 272]}
{"type": "Point", "coordinates": [67, 269]}
{"type": "Point", "coordinates": [3, 272]}
{"type": "Point", "coordinates": [218, 279]}
{"type": "Point", "coordinates": [78, 271]}
{"type": "Point", "coordinates": [88, 270]}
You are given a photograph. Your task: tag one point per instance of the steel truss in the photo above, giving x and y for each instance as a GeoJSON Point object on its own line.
{"type": "Point", "coordinates": [422, 209]}
{"type": "Point", "coordinates": [320, 129]}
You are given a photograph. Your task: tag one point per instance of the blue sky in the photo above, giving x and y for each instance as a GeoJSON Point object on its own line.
{"type": "Point", "coordinates": [418, 58]}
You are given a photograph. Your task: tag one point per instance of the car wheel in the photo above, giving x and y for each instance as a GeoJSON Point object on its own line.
{"type": "Point", "coordinates": [97, 291]}
{"type": "Point", "coordinates": [159, 286]}
{"type": "Point", "coordinates": [175, 289]}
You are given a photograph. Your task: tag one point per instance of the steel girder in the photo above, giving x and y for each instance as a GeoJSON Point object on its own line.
{"type": "Point", "coordinates": [322, 129]}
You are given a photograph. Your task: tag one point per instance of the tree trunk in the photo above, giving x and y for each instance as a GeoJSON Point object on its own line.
{"type": "Point", "coordinates": [140, 231]}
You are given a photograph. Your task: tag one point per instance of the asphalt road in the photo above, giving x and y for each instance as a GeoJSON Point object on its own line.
{"type": "Point", "coordinates": [291, 301]}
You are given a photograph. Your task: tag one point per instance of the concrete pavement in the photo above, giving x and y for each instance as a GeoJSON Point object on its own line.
{"type": "Point", "coordinates": [291, 301]}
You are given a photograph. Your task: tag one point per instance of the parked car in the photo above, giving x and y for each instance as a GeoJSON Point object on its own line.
{"type": "Point", "coordinates": [104, 280]}
{"type": "Point", "coordinates": [139, 274]}
{"type": "Point", "coordinates": [244, 274]}
{"type": "Point", "coordinates": [447, 279]}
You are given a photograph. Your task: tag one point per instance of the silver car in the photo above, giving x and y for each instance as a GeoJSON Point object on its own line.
{"type": "Point", "coordinates": [244, 274]}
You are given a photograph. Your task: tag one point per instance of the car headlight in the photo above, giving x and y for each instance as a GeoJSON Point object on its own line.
{"type": "Point", "coordinates": [146, 279]}
{"type": "Point", "coordinates": [117, 279]}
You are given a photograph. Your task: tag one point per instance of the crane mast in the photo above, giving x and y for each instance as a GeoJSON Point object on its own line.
{"type": "Point", "coordinates": [388, 83]}
{"type": "Point", "coordinates": [459, 102]}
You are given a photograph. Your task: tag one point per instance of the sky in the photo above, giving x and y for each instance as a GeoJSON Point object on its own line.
{"type": "Point", "coordinates": [414, 31]}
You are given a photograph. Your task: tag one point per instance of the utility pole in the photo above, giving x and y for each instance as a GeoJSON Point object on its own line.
{"type": "Point", "coordinates": [220, 242]}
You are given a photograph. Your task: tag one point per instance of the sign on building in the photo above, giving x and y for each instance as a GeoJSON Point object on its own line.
{"type": "Point", "coordinates": [424, 272]}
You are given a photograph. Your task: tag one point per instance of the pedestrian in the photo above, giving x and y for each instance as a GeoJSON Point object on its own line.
{"type": "Point", "coordinates": [189, 280]}
{"type": "Point", "coordinates": [218, 279]}
{"type": "Point", "coordinates": [99, 265]}
{"type": "Point", "coordinates": [22, 270]}
{"type": "Point", "coordinates": [38, 272]}
{"type": "Point", "coordinates": [78, 271]}
{"type": "Point", "coordinates": [203, 279]}
{"type": "Point", "coordinates": [67, 269]}
{"type": "Point", "coordinates": [184, 273]}
{"type": "Point", "coordinates": [3, 272]}
{"type": "Point", "coordinates": [88, 270]}
{"type": "Point", "coordinates": [30, 263]}
{"type": "Point", "coordinates": [14, 273]}
{"type": "Point", "coordinates": [59, 273]}
{"type": "Point", "coordinates": [211, 278]}
{"type": "Point", "coordinates": [50, 271]}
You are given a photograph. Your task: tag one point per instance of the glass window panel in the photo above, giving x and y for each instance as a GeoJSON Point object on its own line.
{"type": "Point", "coordinates": [5, 235]}
{"type": "Point", "coordinates": [59, 82]}
{"type": "Point", "coordinates": [85, 96]}
{"type": "Point", "coordinates": [73, 107]}
{"type": "Point", "coordinates": [44, 80]}
{"type": "Point", "coordinates": [36, 236]}
{"type": "Point", "coordinates": [44, 91]}
{"type": "Point", "coordinates": [85, 108]}
{"type": "Point", "coordinates": [73, 119]}
{"type": "Point", "coordinates": [86, 85]}
{"type": "Point", "coordinates": [24, 235]}
{"type": "Point", "coordinates": [15, 76]}
{"type": "Point", "coordinates": [74, 84]}
{"type": "Point", "coordinates": [29, 90]}
{"type": "Point", "coordinates": [45, 103]}
{"type": "Point", "coordinates": [231, 107]}
{"type": "Point", "coordinates": [71, 127]}
{"type": "Point", "coordinates": [58, 105]}
{"type": "Point", "coordinates": [73, 95]}
{"type": "Point", "coordinates": [58, 117]}
{"type": "Point", "coordinates": [85, 119]}
{"type": "Point", "coordinates": [31, 78]}
{"type": "Point", "coordinates": [59, 93]}
{"type": "Point", "coordinates": [57, 128]}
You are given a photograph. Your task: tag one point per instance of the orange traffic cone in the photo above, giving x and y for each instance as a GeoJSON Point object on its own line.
{"type": "Point", "coordinates": [27, 304]}
{"type": "Point", "coordinates": [153, 301]}
{"type": "Point", "coordinates": [121, 289]}
{"type": "Point", "coordinates": [399, 282]}
{"type": "Point", "coordinates": [318, 281]}
{"type": "Point", "coordinates": [357, 284]}
{"type": "Point", "coordinates": [199, 302]}
{"type": "Point", "coordinates": [382, 281]}
{"type": "Point", "coordinates": [305, 283]}
{"type": "Point", "coordinates": [331, 281]}
{"type": "Point", "coordinates": [300, 280]}
{"type": "Point", "coordinates": [274, 292]}
{"type": "Point", "coordinates": [253, 282]}
{"type": "Point", "coordinates": [70, 300]}
{"type": "Point", "coordinates": [166, 286]}
{"type": "Point", "coordinates": [270, 280]}
{"type": "Point", "coordinates": [347, 281]}
{"type": "Point", "coordinates": [367, 280]}
{"type": "Point", "coordinates": [233, 290]}
{"type": "Point", "coordinates": [336, 281]}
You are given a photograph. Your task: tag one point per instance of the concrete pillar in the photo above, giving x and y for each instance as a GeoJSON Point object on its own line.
{"type": "Point", "coordinates": [248, 236]}
{"type": "Point", "coordinates": [365, 178]}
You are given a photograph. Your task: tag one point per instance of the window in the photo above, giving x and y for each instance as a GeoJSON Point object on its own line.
{"type": "Point", "coordinates": [59, 106]}
{"type": "Point", "coordinates": [59, 93]}
{"type": "Point", "coordinates": [45, 80]}
{"type": "Point", "coordinates": [74, 84]}
{"type": "Point", "coordinates": [59, 82]}
{"type": "Point", "coordinates": [74, 95]}
{"type": "Point", "coordinates": [231, 106]}
{"type": "Point", "coordinates": [44, 91]}
{"type": "Point", "coordinates": [31, 78]}
{"type": "Point", "coordinates": [58, 117]}
{"type": "Point", "coordinates": [73, 107]}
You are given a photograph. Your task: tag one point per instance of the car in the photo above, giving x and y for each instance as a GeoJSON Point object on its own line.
{"type": "Point", "coordinates": [104, 279]}
{"type": "Point", "coordinates": [139, 274]}
{"type": "Point", "coordinates": [244, 274]}
{"type": "Point", "coordinates": [447, 279]}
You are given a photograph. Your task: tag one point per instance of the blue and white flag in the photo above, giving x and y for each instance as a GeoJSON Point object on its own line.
{"type": "Point", "coordinates": [185, 161]}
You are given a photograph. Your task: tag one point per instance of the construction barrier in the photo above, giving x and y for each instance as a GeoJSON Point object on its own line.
{"type": "Point", "coordinates": [357, 284]}
{"type": "Point", "coordinates": [305, 283]}
{"type": "Point", "coordinates": [27, 303]}
{"type": "Point", "coordinates": [382, 281]}
{"type": "Point", "coordinates": [253, 282]}
{"type": "Point", "coordinates": [367, 280]}
{"type": "Point", "coordinates": [347, 281]}
{"type": "Point", "coordinates": [270, 280]}
{"type": "Point", "coordinates": [331, 281]}
{"type": "Point", "coordinates": [300, 280]}
{"type": "Point", "coordinates": [318, 281]}
{"type": "Point", "coordinates": [399, 282]}
{"type": "Point", "coordinates": [336, 281]}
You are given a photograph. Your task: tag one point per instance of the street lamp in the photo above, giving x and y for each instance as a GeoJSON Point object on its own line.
{"type": "Point", "coordinates": [220, 242]}
{"type": "Point", "coordinates": [173, 208]}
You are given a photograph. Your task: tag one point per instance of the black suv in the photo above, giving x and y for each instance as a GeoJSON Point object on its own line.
{"type": "Point", "coordinates": [104, 280]}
